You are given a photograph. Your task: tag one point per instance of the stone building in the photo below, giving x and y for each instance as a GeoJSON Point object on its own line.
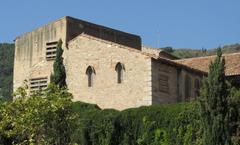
{"type": "Point", "coordinates": [232, 66]}
{"type": "Point", "coordinates": [104, 66]}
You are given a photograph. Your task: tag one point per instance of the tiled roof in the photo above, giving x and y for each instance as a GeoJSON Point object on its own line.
{"type": "Point", "coordinates": [232, 64]}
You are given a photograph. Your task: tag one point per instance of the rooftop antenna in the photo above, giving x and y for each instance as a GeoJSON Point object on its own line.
{"type": "Point", "coordinates": [158, 38]}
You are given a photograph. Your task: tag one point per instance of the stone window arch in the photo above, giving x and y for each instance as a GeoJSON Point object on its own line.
{"type": "Point", "coordinates": [119, 69]}
{"type": "Point", "coordinates": [187, 88]}
{"type": "Point", "coordinates": [90, 72]}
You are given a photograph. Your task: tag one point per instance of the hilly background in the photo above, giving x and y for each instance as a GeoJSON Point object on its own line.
{"type": "Point", "coordinates": [7, 59]}
{"type": "Point", "coordinates": [189, 53]}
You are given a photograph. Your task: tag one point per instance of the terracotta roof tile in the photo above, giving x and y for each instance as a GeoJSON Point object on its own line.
{"type": "Point", "coordinates": [201, 63]}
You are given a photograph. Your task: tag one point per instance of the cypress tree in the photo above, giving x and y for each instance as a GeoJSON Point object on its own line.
{"type": "Point", "coordinates": [59, 75]}
{"type": "Point", "coordinates": [214, 104]}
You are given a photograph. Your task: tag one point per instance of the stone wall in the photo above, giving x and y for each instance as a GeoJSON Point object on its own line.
{"type": "Point", "coordinates": [134, 91]}
{"type": "Point", "coordinates": [168, 83]}
{"type": "Point", "coordinates": [30, 55]}
{"type": "Point", "coordinates": [150, 50]}
{"type": "Point", "coordinates": [164, 83]}
{"type": "Point", "coordinates": [191, 86]}
{"type": "Point", "coordinates": [158, 52]}
{"type": "Point", "coordinates": [30, 51]}
{"type": "Point", "coordinates": [146, 79]}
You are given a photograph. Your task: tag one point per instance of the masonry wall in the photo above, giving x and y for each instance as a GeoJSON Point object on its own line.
{"type": "Point", "coordinates": [30, 52]}
{"type": "Point", "coordinates": [134, 91]}
{"type": "Point", "coordinates": [158, 52]}
{"type": "Point", "coordinates": [101, 48]}
{"type": "Point", "coordinates": [168, 83]}
{"type": "Point", "coordinates": [149, 50]}
{"type": "Point", "coordinates": [192, 86]}
{"type": "Point", "coordinates": [168, 92]}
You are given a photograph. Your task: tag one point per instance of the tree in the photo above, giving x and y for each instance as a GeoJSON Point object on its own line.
{"type": "Point", "coordinates": [168, 49]}
{"type": "Point", "coordinates": [6, 70]}
{"type": "Point", "coordinates": [46, 119]}
{"type": "Point", "coordinates": [59, 75]}
{"type": "Point", "coordinates": [234, 115]}
{"type": "Point", "coordinates": [214, 104]}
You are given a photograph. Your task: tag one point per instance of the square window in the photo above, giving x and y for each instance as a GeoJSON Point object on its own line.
{"type": "Point", "coordinates": [51, 49]}
{"type": "Point", "coordinates": [36, 84]}
{"type": "Point", "coordinates": [163, 83]}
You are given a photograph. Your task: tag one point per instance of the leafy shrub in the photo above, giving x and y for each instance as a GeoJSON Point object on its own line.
{"type": "Point", "coordinates": [50, 117]}
{"type": "Point", "coordinates": [46, 119]}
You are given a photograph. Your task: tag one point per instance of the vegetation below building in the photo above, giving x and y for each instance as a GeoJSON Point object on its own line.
{"type": "Point", "coordinates": [50, 117]}
{"type": "Point", "coordinates": [6, 70]}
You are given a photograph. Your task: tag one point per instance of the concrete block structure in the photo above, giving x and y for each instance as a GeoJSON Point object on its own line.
{"type": "Point", "coordinates": [104, 66]}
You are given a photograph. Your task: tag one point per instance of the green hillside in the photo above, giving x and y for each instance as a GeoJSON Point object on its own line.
{"type": "Point", "coordinates": [6, 70]}
{"type": "Point", "coordinates": [189, 53]}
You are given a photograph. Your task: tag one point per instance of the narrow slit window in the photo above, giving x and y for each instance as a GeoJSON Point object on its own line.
{"type": "Point", "coordinates": [187, 88]}
{"type": "Point", "coordinates": [197, 87]}
{"type": "Point", "coordinates": [119, 69]}
{"type": "Point", "coordinates": [90, 72]}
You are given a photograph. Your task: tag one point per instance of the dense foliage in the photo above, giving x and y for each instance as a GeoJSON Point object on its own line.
{"type": "Point", "coordinates": [59, 75]}
{"type": "Point", "coordinates": [52, 118]}
{"type": "Point", "coordinates": [234, 115]}
{"type": "Point", "coordinates": [214, 104]}
{"type": "Point", "coordinates": [6, 70]}
{"type": "Point", "coordinates": [42, 119]}
{"type": "Point", "coordinates": [154, 125]}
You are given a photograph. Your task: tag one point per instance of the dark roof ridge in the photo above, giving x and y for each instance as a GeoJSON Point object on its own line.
{"type": "Point", "coordinates": [116, 44]}
{"type": "Point", "coordinates": [100, 25]}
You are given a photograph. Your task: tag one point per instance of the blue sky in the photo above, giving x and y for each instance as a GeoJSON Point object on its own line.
{"type": "Point", "coordinates": [160, 23]}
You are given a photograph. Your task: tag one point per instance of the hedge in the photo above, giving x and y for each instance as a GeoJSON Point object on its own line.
{"type": "Point", "coordinates": [171, 124]}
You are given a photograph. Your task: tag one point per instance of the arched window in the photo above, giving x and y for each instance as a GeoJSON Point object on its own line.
{"type": "Point", "coordinates": [119, 69]}
{"type": "Point", "coordinates": [187, 88]}
{"type": "Point", "coordinates": [197, 87]}
{"type": "Point", "coordinates": [90, 73]}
